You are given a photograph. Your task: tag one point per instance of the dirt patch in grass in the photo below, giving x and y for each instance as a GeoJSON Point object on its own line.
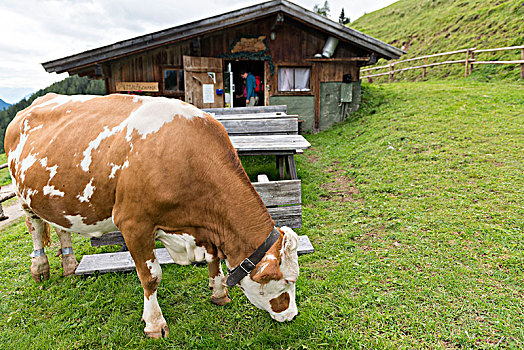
{"type": "Point", "coordinates": [311, 155]}
{"type": "Point", "coordinates": [341, 189]}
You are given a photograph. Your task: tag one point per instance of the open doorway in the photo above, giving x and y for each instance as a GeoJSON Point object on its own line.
{"type": "Point", "coordinates": [257, 69]}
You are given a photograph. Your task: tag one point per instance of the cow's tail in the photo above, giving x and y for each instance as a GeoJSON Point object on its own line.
{"type": "Point", "coordinates": [46, 235]}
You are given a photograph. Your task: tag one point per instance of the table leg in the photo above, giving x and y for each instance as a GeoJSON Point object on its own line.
{"type": "Point", "coordinates": [291, 167]}
{"type": "Point", "coordinates": [280, 166]}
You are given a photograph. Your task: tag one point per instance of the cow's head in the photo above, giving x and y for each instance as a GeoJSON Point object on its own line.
{"type": "Point", "coordinates": [271, 285]}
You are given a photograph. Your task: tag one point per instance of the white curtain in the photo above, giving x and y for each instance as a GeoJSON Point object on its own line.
{"type": "Point", "coordinates": [285, 79]}
{"type": "Point", "coordinates": [302, 79]}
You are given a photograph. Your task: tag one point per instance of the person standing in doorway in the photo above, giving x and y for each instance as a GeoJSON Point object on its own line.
{"type": "Point", "coordinates": [251, 84]}
{"type": "Point", "coordinates": [242, 97]}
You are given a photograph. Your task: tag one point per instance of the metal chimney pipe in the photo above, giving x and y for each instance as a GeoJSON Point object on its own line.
{"type": "Point", "coordinates": [329, 47]}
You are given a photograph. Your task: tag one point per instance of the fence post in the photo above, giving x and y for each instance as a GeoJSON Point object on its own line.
{"type": "Point", "coordinates": [467, 64]}
{"type": "Point", "coordinates": [472, 58]}
{"type": "Point", "coordinates": [391, 67]}
{"type": "Point", "coordinates": [424, 70]}
{"type": "Point", "coordinates": [522, 64]}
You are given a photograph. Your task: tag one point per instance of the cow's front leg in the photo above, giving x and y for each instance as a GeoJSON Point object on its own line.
{"type": "Point", "coordinates": [69, 262]}
{"type": "Point", "coordinates": [150, 274]}
{"type": "Point", "coordinates": [39, 232]}
{"type": "Point", "coordinates": [217, 281]}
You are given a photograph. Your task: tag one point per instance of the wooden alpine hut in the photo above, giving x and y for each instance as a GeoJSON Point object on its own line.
{"type": "Point", "coordinates": [305, 61]}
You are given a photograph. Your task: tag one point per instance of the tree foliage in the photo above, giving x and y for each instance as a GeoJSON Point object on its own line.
{"type": "Point", "coordinates": [74, 85]}
{"type": "Point", "coordinates": [322, 10]}
{"type": "Point", "coordinates": [342, 19]}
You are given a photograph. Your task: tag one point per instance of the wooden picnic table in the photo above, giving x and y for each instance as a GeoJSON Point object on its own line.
{"type": "Point", "coordinates": [269, 144]}
{"type": "Point", "coordinates": [259, 131]}
{"type": "Point", "coordinates": [284, 147]}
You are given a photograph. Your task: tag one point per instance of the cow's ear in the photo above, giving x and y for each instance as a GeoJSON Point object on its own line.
{"type": "Point", "coordinates": [290, 242]}
{"type": "Point", "coordinates": [266, 271]}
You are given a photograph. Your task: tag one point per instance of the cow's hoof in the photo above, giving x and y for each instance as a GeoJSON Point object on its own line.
{"type": "Point", "coordinates": [221, 301]}
{"type": "Point", "coordinates": [40, 268]}
{"type": "Point", "coordinates": [163, 332]}
{"type": "Point", "coordinates": [69, 264]}
{"type": "Point", "coordinates": [39, 277]}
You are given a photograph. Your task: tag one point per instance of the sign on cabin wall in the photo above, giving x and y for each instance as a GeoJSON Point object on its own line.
{"type": "Point", "coordinates": [249, 45]}
{"type": "Point", "coordinates": [137, 86]}
{"type": "Point", "coordinates": [208, 93]}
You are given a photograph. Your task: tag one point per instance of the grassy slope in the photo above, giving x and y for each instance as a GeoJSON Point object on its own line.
{"type": "Point", "coordinates": [423, 27]}
{"type": "Point", "coordinates": [414, 207]}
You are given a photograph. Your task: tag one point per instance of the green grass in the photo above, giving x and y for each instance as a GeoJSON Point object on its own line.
{"type": "Point", "coordinates": [414, 206]}
{"type": "Point", "coordinates": [256, 165]}
{"type": "Point", "coordinates": [4, 173]}
{"type": "Point", "coordinates": [423, 27]}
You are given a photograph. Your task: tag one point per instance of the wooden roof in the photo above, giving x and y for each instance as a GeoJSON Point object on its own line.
{"type": "Point", "coordinates": [233, 18]}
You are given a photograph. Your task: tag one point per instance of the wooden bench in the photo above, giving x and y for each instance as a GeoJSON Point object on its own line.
{"type": "Point", "coordinates": [264, 131]}
{"type": "Point", "coordinates": [122, 261]}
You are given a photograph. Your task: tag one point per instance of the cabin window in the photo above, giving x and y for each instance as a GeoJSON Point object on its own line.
{"type": "Point", "coordinates": [293, 79]}
{"type": "Point", "coordinates": [174, 80]}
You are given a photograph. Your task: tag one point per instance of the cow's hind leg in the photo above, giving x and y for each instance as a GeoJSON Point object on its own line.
{"type": "Point", "coordinates": [150, 274]}
{"type": "Point", "coordinates": [217, 281]}
{"type": "Point", "coordinates": [69, 262]}
{"type": "Point", "coordinates": [40, 232]}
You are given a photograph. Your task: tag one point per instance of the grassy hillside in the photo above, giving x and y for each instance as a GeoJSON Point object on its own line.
{"type": "Point", "coordinates": [414, 206]}
{"type": "Point", "coordinates": [423, 27]}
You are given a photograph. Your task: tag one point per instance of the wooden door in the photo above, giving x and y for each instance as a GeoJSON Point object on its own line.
{"type": "Point", "coordinates": [202, 77]}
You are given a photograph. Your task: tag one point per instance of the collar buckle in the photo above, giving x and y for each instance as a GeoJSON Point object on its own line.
{"type": "Point", "coordinates": [249, 265]}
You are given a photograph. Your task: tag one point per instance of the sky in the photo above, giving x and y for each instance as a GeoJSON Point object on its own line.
{"type": "Point", "coordinates": [37, 31]}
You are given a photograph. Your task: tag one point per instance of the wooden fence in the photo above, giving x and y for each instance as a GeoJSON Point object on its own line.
{"type": "Point", "coordinates": [468, 62]}
{"type": "Point", "coordinates": [5, 196]}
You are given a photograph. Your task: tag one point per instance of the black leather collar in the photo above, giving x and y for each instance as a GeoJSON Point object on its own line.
{"type": "Point", "coordinates": [248, 264]}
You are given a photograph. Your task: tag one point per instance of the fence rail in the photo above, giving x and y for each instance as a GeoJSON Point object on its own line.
{"type": "Point", "coordinates": [5, 196]}
{"type": "Point", "coordinates": [468, 62]}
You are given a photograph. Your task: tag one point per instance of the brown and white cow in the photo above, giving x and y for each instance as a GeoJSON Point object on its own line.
{"type": "Point", "coordinates": [152, 168]}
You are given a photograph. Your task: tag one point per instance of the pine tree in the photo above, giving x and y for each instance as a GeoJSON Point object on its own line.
{"type": "Point", "coordinates": [342, 19]}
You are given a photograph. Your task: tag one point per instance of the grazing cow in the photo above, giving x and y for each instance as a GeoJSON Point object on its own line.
{"type": "Point", "coordinates": [152, 168]}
